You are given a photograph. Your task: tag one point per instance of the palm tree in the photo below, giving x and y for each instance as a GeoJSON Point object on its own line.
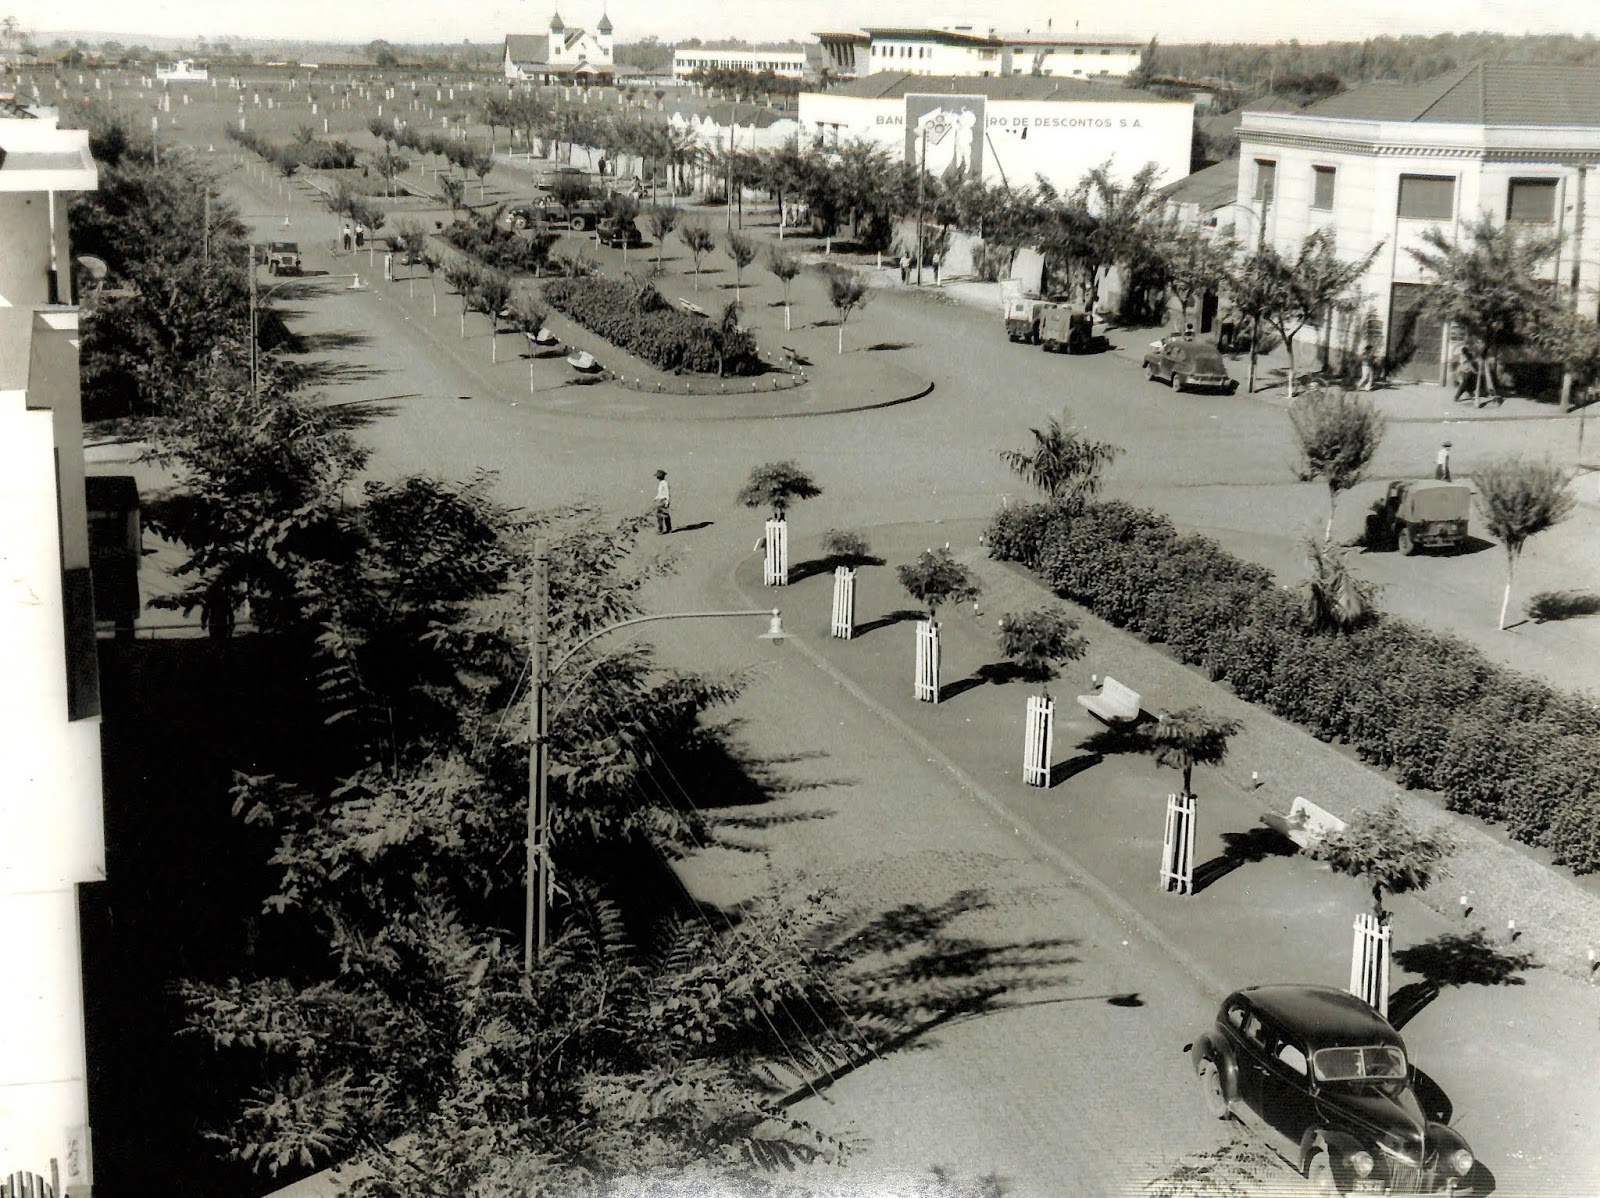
{"type": "Point", "coordinates": [1332, 598]}
{"type": "Point", "coordinates": [1184, 739]}
{"type": "Point", "coordinates": [1063, 463]}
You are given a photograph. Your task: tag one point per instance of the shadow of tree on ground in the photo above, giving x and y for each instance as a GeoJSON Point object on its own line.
{"type": "Point", "coordinates": [1453, 959]}
{"type": "Point", "coordinates": [1242, 848]}
{"type": "Point", "coordinates": [1562, 605]}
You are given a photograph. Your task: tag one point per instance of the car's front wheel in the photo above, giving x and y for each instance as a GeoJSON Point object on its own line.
{"type": "Point", "coordinates": [1149, 372]}
{"type": "Point", "coordinates": [519, 222]}
{"type": "Point", "coordinates": [1179, 382]}
{"type": "Point", "coordinates": [1320, 1174]}
{"type": "Point", "coordinates": [1404, 543]}
{"type": "Point", "coordinates": [1211, 1091]}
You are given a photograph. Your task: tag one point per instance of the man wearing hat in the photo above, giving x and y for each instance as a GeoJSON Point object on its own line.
{"type": "Point", "coordinates": [663, 503]}
{"type": "Point", "coordinates": [1441, 464]}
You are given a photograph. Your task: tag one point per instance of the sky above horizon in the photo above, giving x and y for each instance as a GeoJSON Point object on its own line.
{"type": "Point", "coordinates": [1172, 21]}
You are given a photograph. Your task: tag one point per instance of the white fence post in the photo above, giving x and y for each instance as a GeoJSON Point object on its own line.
{"type": "Point", "coordinates": [1177, 846]}
{"type": "Point", "coordinates": [776, 573]}
{"type": "Point", "coordinates": [1038, 742]}
{"type": "Point", "coordinates": [844, 602]}
{"type": "Point", "coordinates": [1369, 963]}
{"type": "Point", "coordinates": [927, 685]}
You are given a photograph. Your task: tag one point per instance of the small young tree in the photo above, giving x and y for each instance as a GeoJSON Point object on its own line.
{"type": "Point", "coordinates": [1336, 434]}
{"type": "Point", "coordinates": [742, 249]}
{"type": "Point", "coordinates": [1519, 500]}
{"type": "Point", "coordinates": [482, 164]}
{"type": "Point", "coordinates": [454, 192]}
{"type": "Point", "coordinates": [1063, 463]}
{"type": "Point", "coordinates": [1332, 598]}
{"type": "Point", "coordinates": [1186, 738]}
{"type": "Point", "coordinates": [1039, 640]}
{"type": "Point", "coordinates": [777, 485]}
{"type": "Point", "coordinates": [390, 165]}
{"type": "Point", "coordinates": [663, 219]}
{"type": "Point", "coordinates": [1386, 850]}
{"type": "Point", "coordinates": [463, 279]}
{"type": "Point", "coordinates": [848, 548]}
{"type": "Point", "coordinates": [699, 241]}
{"type": "Point", "coordinates": [936, 578]}
{"type": "Point", "coordinates": [784, 267]}
{"type": "Point", "coordinates": [491, 296]}
{"type": "Point", "coordinates": [847, 291]}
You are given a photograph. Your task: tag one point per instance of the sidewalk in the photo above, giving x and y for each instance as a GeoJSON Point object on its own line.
{"type": "Point", "coordinates": [1505, 1054]}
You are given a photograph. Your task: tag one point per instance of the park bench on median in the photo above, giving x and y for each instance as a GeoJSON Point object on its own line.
{"type": "Point", "coordinates": [1305, 823]}
{"type": "Point", "coordinates": [693, 309]}
{"type": "Point", "coordinates": [1114, 703]}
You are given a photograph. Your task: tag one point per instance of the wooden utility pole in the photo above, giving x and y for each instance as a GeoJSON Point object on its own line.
{"type": "Point", "coordinates": [537, 882]}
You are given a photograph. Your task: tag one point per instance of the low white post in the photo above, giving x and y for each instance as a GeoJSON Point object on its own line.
{"type": "Point", "coordinates": [927, 683]}
{"type": "Point", "coordinates": [1038, 742]}
{"type": "Point", "coordinates": [1369, 963]}
{"type": "Point", "coordinates": [1177, 846]}
{"type": "Point", "coordinates": [844, 603]}
{"type": "Point", "coordinates": [776, 573]}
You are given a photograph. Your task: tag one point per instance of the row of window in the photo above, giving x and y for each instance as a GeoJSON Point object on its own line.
{"type": "Point", "coordinates": [736, 64]}
{"type": "Point", "coordinates": [1422, 197]}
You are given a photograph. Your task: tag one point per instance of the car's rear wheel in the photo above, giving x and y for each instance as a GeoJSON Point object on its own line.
{"type": "Point", "coordinates": [1149, 373]}
{"type": "Point", "coordinates": [1404, 543]}
{"type": "Point", "coordinates": [1211, 1089]}
{"type": "Point", "coordinates": [519, 222]}
{"type": "Point", "coordinates": [1179, 382]}
{"type": "Point", "coordinates": [1320, 1174]}
{"type": "Point", "coordinates": [577, 224]}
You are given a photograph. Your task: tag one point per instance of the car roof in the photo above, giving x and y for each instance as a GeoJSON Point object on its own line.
{"type": "Point", "coordinates": [1323, 1016]}
{"type": "Point", "coordinates": [1194, 349]}
{"type": "Point", "coordinates": [285, 245]}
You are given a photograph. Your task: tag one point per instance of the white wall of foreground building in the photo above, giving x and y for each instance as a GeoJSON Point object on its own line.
{"type": "Point", "coordinates": [1058, 139]}
{"type": "Point", "coordinates": [1369, 159]}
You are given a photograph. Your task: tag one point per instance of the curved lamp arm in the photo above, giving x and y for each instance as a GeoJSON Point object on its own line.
{"type": "Point", "coordinates": [773, 633]}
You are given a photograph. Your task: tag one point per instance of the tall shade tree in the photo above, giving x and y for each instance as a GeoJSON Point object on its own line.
{"type": "Point", "coordinates": [1062, 462]}
{"type": "Point", "coordinates": [777, 485]}
{"type": "Point", "coordinates": [1519, 500]}
{"type": "Point", "coordinates": [784, 267]}
{"type": "Point", "coordinates": [1194, 261]}
{"type": "Point", "coordinates": [1332, 597]}
{"type": "Point", "coordinates": [1489, 284]}
{"type": "Point", "coordinates": [1336, 434]}
{"type": "Point", "coordinates": [699, 241]}
{"type": "Point", "coordinates": [1039, 640]}
{"type": "Point", "coordinates": [847, 291]}
{"type": "Point", "coordinates": [937, 578]}
{"type": "Point", "coordinates": [1186, 738]}
{"type": "Point", "coordinates": [742, 249]}
{"type": "Point", "coordinates": [1387, 851]}
{"type": "Point", "coordinates": [663, 219]}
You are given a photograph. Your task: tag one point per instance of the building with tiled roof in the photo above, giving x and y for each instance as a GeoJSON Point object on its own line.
{"type": "Point", "coordinates": [1383, 164]}
{"type": "Point", "coordinates": [1005, 129]}
{"type": "Point", "coordinates": [563, 55]}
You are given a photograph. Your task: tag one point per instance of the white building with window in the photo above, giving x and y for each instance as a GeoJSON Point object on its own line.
{"type": "Point", "coordinates": [969, 50]}
{"type": "Point", "coordinates": [1383, 164]}
{"type": "Point", "coordinates": [785, 64]}
{"type": "Point", "coordinates": [563, 55]}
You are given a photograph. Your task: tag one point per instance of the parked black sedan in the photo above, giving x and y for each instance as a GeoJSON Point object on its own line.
{"type": "Point", "coordinates": [1326, 1080]}
{"type": "Point", "coordinates": [1186, 363]}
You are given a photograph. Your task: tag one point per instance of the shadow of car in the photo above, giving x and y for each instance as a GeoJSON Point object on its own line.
{"type": "Point", "coordinates": [1184, 363]}
{"type": "Point", "coordinates": [1326, 1081]}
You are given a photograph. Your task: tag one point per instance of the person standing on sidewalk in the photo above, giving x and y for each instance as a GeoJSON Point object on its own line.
{"type": "Point", "coordinates": [1369, 368]}
{"type": "Point", "coordinates": [1441, 463]}
{"type": "Point", "coordinates": [663, 503]}
{"type": "Point", "coordinates": [905, 267]}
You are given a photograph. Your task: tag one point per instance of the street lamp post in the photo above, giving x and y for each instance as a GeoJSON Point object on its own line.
{"type": "Point", "coordinates": [538, 874]}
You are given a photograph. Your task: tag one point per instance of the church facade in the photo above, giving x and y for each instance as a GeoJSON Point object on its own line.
{"type": "Point", "coordinates": [563, 55]}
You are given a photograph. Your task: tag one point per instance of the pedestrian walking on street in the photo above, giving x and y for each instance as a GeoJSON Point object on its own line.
{"type": "Point", "coordinates": [1369, 368]}
{"type": "Point", "coordinates": [1441, 463]}
{"type": "Point", "coordinates": [905, 267]}
{"type": "Point", "coordinates": [663, 503]}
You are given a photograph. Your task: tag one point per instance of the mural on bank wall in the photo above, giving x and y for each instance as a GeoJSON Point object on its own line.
{"type": "Point", "coordinates": [944, 134]}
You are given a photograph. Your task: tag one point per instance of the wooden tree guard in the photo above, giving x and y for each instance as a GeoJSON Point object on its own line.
{"type": "Point", "coordinates": [927, 685]}
{"type": "Point", "coordinates": [25, 1185]}
{"type": "Point", "coordinates": [1177, 846]}
{"type": "Point", "coordinates": [776, 573]}
{"type": "Point", "coordinates": [844, 602]}
{"type": "Point", "coordinates": [1038, 742]}
{"type": "Point", "coordinates": [1369, 963]}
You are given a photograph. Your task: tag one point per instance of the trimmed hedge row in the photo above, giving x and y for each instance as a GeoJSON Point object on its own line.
{"type": "Point", "coordinates": [498, 247]}
{"type": "Point", "coordinates": [1431, 708]}
{"type": "Point", "coordinates": [636, 318]}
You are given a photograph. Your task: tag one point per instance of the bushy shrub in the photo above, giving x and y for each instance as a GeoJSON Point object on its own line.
{"type": "Point", "coordinates": [498, 247]}
{"type": "Point", "coordinates": [633, 316]}
{"type": "Point", "coordinates": [1432, 709]}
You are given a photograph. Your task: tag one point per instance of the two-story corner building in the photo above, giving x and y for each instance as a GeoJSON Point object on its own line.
{"type": "Point", "coordinates": [562, 55]}
{"type": "Point", "coordinates": [51, 822]}
{"type": "Point", "coordinates": [1384, 163]}
{"type": "Point", "coordinates": [969, 50]}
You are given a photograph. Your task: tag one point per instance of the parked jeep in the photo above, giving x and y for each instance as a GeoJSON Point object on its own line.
{"type": "Point", "coordinates": [1419, 515]}
{"type": "Point", "coordinates": [1325, 1080]}
{"type": "Point", "coordinates": [283, 258]}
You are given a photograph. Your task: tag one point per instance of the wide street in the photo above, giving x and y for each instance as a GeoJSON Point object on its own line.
{"type": "Point", "coordinates": [1074, 1086]}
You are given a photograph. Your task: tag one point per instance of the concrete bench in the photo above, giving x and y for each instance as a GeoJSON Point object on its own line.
{"type": "Point", "coordinates": [693, 309]}
{"type": "Point", "coordinates": [1305, 823]}
{"type": "Point", "coordinates": [1114, 703]}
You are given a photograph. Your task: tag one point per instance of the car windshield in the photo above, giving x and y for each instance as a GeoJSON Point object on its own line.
{"type": "Point", "coordinates": [1378, 1063]}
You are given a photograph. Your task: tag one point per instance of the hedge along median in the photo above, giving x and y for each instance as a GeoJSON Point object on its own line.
{"type": "Point", "coordinates": [1497, 744]}
{"type": "Point", "coordinates": [636, 317]}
